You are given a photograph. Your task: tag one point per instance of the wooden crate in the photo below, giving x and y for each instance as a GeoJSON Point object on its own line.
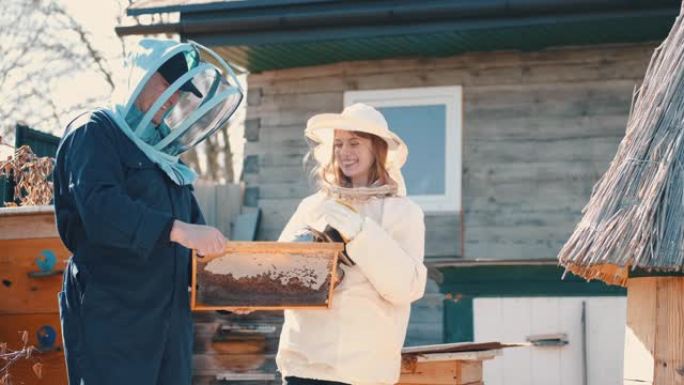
{"type": "Point", "coordinates": [266, 276]}
{"type": "Point", "coordinates": [32, 260]}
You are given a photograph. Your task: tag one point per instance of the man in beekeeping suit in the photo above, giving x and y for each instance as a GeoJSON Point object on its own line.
{"type": "Point", "coordinates": [125, 209]}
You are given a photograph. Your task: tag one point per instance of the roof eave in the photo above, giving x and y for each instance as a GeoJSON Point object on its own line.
{"type": "Point", "coordinates": [264, 29]}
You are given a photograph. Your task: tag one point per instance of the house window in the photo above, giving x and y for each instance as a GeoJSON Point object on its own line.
{"type": "Point", "coordinates": [429, 121]}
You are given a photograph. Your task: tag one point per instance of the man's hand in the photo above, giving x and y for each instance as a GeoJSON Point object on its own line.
{"type": "Point", "coordinates": [205, 239]}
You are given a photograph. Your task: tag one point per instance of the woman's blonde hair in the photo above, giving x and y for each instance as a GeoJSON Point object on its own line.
{"type": "Point", "coordinates": [331, 173]}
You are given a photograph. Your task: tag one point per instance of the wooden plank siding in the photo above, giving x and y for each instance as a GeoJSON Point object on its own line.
{"type": "Point", "coordinates": [220, 204]}
{"type": "Point", "coordinates": [539, 128]}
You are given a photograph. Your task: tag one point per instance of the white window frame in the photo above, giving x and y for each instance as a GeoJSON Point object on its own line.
{"type": "Point", "coordinates": [451, 97]}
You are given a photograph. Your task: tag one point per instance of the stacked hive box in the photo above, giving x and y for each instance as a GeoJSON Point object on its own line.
{"type": "Point", "coordinates": [32, 259]}
{"type": "Point", "coordinates": [236, 349]}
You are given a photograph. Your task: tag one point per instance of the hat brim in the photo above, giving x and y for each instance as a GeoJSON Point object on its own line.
{"type": "Point", "coordinates": [321, 129]}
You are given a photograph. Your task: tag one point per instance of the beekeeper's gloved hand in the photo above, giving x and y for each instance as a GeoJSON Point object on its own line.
{"type": "Point", "coordinates": [342, 219]}
{"type": "Point", "coordinates": [204, 239]}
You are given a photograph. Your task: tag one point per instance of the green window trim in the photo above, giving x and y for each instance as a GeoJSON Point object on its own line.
{"type": "Point", "coordinates": [461, 285]}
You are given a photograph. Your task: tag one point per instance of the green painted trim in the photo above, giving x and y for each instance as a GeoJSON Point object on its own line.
{"type": "Point", "coordinates": [519, 281]}
{"type": "Point", "coordinates": [462, 284]}
{"type": "Point", "coordinates": [261, 50]}
{"type": "Point", "coordinates": [458, 320]}
{"type": "Point", "coordinates": [41, 143]}
{"type": "Point", "coordinates": [345, 9]}
{"type": "Point", "coordinates": [643, 273]}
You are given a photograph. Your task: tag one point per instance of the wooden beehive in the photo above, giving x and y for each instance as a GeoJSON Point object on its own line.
{"type": "Point", "coordinates": [266, 276]}
{"type": "Point", "coordinates": [447, 364]}
{"type": "Point", "coordinates": [235, 348]}
{"type": "Point", "coordinates": [32, 260]}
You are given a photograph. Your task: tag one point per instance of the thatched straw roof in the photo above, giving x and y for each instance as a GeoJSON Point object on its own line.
{"type": "Point", "coordinates": [635, 216]}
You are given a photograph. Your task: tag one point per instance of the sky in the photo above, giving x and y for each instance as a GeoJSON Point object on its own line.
{"type": "Point", "coordinates": [99, 18]}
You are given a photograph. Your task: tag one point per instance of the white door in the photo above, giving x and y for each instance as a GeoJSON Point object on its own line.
{"type": "Point", "coordinates": [515, 319]}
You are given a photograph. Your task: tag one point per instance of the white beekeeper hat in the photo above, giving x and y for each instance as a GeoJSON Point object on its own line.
{"type": "Point", "coordinates": [363, 118]}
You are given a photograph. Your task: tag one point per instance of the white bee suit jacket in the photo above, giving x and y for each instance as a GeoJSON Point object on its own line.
{"type": "Point", "coordinates": [359, 339]}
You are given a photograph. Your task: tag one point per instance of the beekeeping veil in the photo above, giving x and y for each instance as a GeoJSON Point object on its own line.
{"type": "Point", "coordinates": [320, 130]}
{"type": "Point", "coordinates": [205, 96]}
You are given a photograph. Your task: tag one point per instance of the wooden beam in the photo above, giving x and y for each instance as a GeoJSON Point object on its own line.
{"type": "Point", "coordinates": [669, 340]}
{"type": "Point", "coordinates": [654, 334]}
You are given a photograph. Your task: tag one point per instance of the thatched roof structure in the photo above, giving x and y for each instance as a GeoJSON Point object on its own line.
{"type": "Point", "coordinates": [635, 216]}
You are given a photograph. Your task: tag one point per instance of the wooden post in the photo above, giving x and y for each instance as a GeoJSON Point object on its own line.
{"type": "Point", "coordinates": [654, 334]}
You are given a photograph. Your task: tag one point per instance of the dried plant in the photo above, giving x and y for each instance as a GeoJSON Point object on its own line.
{"type": "Point", "coordinates": [30, 174]}
{"type": "Point", "coordinates": [634, 216]}
{"type": "Point", "coordinates": [9, 357]}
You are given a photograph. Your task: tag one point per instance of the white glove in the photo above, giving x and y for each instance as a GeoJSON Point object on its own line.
{"type": "Point", "coordinates": [342, 219]}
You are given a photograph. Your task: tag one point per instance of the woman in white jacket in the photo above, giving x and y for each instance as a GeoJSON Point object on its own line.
{"type": "Point", "coordinates": [359, 339]}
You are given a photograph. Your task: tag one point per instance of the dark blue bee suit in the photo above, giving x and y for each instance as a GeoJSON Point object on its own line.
{"type": "Point", "coordinates": [125, 304]}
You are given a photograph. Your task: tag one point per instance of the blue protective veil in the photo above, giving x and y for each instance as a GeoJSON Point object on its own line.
{"type": "Point", "coordinates": [195, 104]}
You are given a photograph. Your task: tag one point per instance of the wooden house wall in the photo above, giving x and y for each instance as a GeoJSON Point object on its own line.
{"type": "Point", "coordinates": [539, 128]}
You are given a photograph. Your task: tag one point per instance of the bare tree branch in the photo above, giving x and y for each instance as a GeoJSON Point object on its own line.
{"type": "Point", "coordinates": [43, 48]}
{"type": "Point", "coordinates": [94, 53]}
{"type": "Point", "coordinates": [24, 48]}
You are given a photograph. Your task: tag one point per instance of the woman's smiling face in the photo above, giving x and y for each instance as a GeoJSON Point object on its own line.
{"type": "Point", "coordinates": [354, 156]}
